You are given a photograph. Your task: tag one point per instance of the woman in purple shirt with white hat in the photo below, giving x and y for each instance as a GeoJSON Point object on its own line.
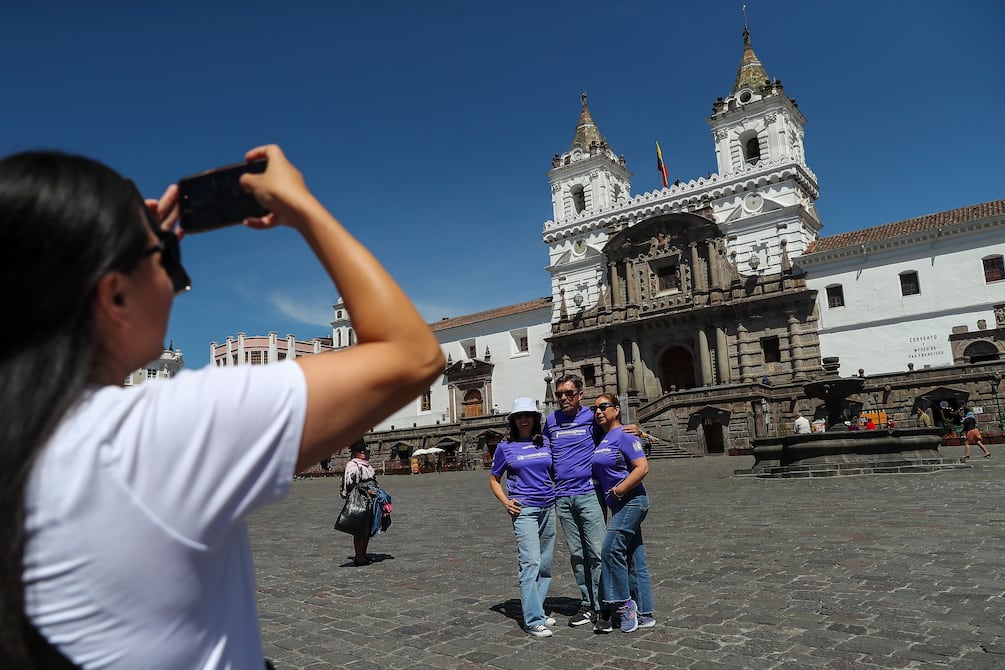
{"type": "Point", "coordinates": [525, 458]}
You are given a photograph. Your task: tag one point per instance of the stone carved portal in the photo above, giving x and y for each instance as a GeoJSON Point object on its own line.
{"type": "Point", "coordinates": [677, 369]}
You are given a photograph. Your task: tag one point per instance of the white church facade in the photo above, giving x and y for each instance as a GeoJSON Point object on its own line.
{"type": "Point", "coordinates": [708, 303]}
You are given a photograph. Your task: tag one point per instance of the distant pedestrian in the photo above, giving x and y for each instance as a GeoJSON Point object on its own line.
{"type": "Point", "coordinates": [358, 470]}
{"type": "Point", "coordinates": [973, 435]}
{"type": "Point", "coordinates": [924, 420]}
{"type": "Point", "coordinates": [524, 456]}
{"type": "Point", "coordinates": [801, 426]}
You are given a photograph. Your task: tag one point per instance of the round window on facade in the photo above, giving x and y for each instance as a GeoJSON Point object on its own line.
{"type": "Point", "coordinates": [744, 97]}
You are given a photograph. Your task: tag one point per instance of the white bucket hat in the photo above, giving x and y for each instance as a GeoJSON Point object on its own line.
{"type": "Point", "coordinates": [525, 405]}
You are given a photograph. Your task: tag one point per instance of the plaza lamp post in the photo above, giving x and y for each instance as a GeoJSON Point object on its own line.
{"type": "Point", "coordinates": [876, 408]}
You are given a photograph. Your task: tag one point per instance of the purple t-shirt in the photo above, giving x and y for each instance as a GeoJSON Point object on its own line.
{"type": "Point", "coordinates": [573, 439]}
{"type": "Point", "coordinates": [610, 464]}
{"type": "Point", "coordinates": [528, 471]}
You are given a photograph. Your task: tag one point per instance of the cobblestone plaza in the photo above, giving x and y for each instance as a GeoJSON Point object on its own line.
{"type": "Point", "coordinates": [880, 571]}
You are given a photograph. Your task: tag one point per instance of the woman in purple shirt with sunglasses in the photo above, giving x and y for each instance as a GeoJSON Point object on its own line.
{"type": "Point", "coordinates": [619, 466]}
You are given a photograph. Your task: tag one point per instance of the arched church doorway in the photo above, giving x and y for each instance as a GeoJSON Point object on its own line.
{"type": "Point", "coordinates": [472, 403]}
{"type": "Point", "coordinates": [677, 369]}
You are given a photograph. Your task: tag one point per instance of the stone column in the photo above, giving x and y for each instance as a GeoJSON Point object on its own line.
{"type": "Point", "coordinates": [704, 355]}
{"type": "Point", "coordinates": [722, 355]}
{"type": "Point", "coordinates": [697, 276]}
{"type": "Point", "coordinates": [622, 370]}
{"type": "Point", "coordinates": [795, 348]}
{"type": "Point", "coordinates": [713, 264]}
{"type": "Point", "coordinates": [741, 355]}
{"type": "Point", "coordinates": [631, 278]}
{"type": "Point", "coordinates": [616, 288]}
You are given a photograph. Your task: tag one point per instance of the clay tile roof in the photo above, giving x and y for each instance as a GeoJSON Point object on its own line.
{"type": "Point", "coordinates": [916, 225]}
{"type": "Point", "coordinates": [509, 310]}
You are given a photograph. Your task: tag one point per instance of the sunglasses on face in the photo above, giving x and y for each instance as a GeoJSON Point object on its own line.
{"type": "Point", "coordinates": [167, 245]}
{"type": "Point", "coordinates": [603, 407]}
{"type": "Point", "coordinates": [566, 394]}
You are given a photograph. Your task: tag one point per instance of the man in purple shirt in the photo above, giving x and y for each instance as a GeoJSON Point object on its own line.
{"type": "Point", "coordinates": [574, 435]}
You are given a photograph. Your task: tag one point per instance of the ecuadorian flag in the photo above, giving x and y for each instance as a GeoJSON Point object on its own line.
{"type": "Point", "coordinates": [660, 165]}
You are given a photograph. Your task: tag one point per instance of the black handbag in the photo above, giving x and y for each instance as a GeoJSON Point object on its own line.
{"type": "Point", "coordinates": [356, 517]}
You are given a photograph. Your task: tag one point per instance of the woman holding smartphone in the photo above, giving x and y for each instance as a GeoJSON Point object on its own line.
{"type": "Point", "coordinates": [123, 509]}
{"type": "Point", "coordinates": [524, 456]}
{"type": "Point", "coordinates": [619, 466]}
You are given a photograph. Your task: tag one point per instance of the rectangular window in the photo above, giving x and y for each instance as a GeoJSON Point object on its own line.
{"type": "Point", "coordinates": [835, 296]}
{"type": "Point", "coordinates": [909, 283]}
{"type": "Point", "coordinates": [668, 278]}
{"type": "Point", "coordinates": [469, 347]}
{"type": "Point", "coordinates": [994, 269]}
{"type": "Point", "coordinates": [589, 375]}
{"type": "Point", "coordinates": [151, 373]}
{"type": "Point", "coordinates": [519, 342]}
{"type": "Point", "coordinates": [426, 401]}
{"type": "Point", "coordinates": [769, 347]}
{"type": "Point", "coordinates": [256, 357]}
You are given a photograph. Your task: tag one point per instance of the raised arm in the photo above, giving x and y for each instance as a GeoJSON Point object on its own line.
{"type": "Point", "coordinates": [397, 357]}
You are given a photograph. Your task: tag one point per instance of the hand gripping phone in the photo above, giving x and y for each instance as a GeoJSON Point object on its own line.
{"type": "Point", "coordinates": [215, 199]}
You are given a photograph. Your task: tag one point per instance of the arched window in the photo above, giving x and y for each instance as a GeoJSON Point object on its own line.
{"type": "Point", "coordinates": [994, 268]}
{"type": "Point", "coordinates": [750, 144]}
{"type": "Point", "coordinates": [578, 198]}
{"type": "Point", "coordinates": [980, 351]}
{"type": "Point", "coordinates": [835, 295]}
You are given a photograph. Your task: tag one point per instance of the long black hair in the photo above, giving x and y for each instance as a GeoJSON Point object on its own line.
{"type": "Point", "coordinates": [535, 432]}
{"type": "Point", "coordinates": [65, 222]}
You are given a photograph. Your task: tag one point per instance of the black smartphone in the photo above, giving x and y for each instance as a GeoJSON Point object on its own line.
{"type": "Point", "coordinates": [214, 199]}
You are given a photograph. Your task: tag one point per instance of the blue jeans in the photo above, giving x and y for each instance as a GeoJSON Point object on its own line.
{"type": "Point", "coordinates": [582, 520]}
{"type": "Point", "coordinates": [534, 529]}
{"type": "Point", "coordinates": [626, 573]}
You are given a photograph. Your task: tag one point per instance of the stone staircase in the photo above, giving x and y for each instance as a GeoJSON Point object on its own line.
{"type": "Point", "coordinates": [666, 449]}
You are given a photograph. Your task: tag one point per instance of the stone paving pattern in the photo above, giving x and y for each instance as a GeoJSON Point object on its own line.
{"type": "Point", "coordinates": [878, 571]}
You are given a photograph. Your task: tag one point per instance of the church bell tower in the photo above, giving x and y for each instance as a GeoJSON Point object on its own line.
{"type": "Point", "coordinates": [586, 180]}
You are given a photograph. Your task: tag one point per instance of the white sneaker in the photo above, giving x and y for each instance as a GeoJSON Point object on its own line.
{"type": "Point", "coordinates": [550, 621]}
{"type": "Point", "coordinates": [539, 631]}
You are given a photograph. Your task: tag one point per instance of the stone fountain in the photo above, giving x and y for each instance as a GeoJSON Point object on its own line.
{"type": "Point", "coordinates": [840, 451]}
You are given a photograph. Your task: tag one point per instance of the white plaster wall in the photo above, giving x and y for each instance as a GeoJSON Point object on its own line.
{"type": "Point", "coordinates": [515, 374]}
{"type": "Point", "coordinates": [880, 330]}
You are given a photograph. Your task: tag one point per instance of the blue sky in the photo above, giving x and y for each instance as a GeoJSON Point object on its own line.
{"type": "Point", "coordinates": [428, 127]}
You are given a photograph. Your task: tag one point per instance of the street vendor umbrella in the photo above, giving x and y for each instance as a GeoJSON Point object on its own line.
{"type": "Point", "coordinates": [427, 451]}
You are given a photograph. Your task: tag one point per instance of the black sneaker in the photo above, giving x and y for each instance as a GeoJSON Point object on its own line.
{"type": "Point", "coordinates": [581, 619]}
{"type": "Point", "coordinates": [603, 624]}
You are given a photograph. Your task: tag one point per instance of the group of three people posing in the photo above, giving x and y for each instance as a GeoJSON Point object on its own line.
{"type": "Point", "coordinates": [579, 465]}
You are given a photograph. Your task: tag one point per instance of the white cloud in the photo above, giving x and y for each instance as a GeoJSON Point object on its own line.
{"type": "Point", "coordinates": [312, 312]}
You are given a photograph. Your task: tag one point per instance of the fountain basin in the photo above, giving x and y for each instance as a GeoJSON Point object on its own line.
{"type": "Point", "coordinates": [850, 452]}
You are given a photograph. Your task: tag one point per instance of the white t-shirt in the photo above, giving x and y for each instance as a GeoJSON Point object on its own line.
{"type": "Point", "coordinates": [137, 554]}
{"type": "Point", "coordinates": [801, 425]}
